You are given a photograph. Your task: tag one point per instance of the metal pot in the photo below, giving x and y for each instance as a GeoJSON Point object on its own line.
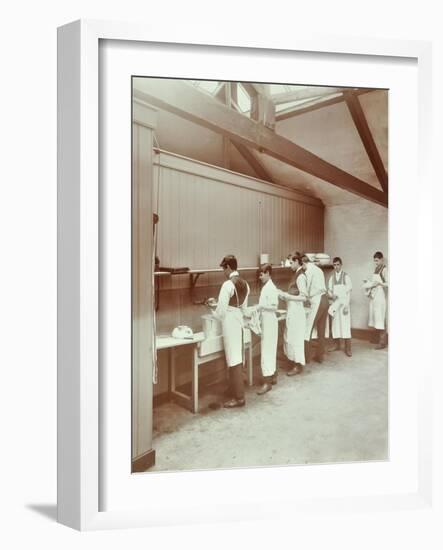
{"type": "Point", "coordinates": [212, 327]}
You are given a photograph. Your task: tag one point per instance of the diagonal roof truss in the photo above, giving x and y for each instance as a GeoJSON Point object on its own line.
{"type": "Point", "coordinates": [185, 101]}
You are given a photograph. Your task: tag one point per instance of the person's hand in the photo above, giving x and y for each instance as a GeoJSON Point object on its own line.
{"type": "Point", "coordinates": [307, 303]}
{"type": "Point", "coordinates": [211, 302]}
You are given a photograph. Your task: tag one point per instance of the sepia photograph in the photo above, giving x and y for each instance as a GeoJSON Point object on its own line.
{"type": "Point", "coordinates": [260, 274]}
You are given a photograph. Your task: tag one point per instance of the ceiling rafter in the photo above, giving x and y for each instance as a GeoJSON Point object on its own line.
{"type": "Point", "coordinates": [262, 89]}
{"type": "Point", "coordinates": [253, 162]}
{"type": "Point", "coordinates": [250, 89]}
{"type": "Point", "coordinates": [185, 101]}
{"type": "Point", "coordinates": [361, 123]}
{"type": "Point", "coordinates": [220, 93]}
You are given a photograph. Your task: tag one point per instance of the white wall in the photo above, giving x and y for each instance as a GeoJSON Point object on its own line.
{"type": "Point", "coordinates": [354, 232]}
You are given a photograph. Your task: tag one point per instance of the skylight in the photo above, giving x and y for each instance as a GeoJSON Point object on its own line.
{"type": "Point", "coordinates": [243, 99]}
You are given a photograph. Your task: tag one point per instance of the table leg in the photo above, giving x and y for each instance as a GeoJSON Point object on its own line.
{"type": "Point", "coordinates": [172, 369]}
{"type": "Point", "coordinates": [194, 396]}
{"type": "Point", "coordinates": [169, 375]}
{"type": "Point", "coordinates": [250, 373]}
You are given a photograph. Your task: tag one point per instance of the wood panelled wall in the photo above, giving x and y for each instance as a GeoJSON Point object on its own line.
{"type": "Point", "coordinates": [206, 212]}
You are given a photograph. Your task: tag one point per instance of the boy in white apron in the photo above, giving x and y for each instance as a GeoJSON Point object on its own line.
{"type": "Point", "coordinates": [376, 289]}
{"type": "Point", "coordinates": [317, 314]}
{"type": "Point", "coordinates": [339, 290]}
{"type": "Point", "coordinates": [232, 300]}
{"type": "Point", "coordinates": [267, 306]}
{"type": "Point", "coordinates": [294, 339]}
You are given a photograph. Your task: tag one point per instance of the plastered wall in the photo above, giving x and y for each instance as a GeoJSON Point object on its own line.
{"type": "Point", "coordinates": [354, 232]}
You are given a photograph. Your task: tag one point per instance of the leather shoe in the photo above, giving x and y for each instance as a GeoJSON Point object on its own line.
{"type": "Point", "coordinates": [335, 347]}
{"type": "Point", "coordinates": [298, 369]}
{"type": "Point", "coordinates": [265, 388]}
{"type": "Point", "coordinates": [234, 403]}
{"type": "Point", "coordinates": [274, 379]}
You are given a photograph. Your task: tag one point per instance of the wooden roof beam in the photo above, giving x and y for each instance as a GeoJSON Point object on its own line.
{"type": "Point", "coordinates": [253, 162]}
{"type": "Point", "coordinates": [185, 101]}
{"type": "Point", "coordinates": [359, 118]}
{"type": "Point", "coordinates": [220, 94]}
{"type": "Point", "coordinates": [250, 88]}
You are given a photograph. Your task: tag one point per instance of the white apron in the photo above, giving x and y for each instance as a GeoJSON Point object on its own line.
{"type": "Point", "coordinates": [294, 339]}
{"type": "Point", "coordinates": [232, 326]}
{"type": "Point", "coordinates": [377, 306]}
{"type": "Point", "coordinates": [269, 328]}
{"type": "Point", "coordinates": [232, 322]}
{"type": "Point", "coordinates": [311, 312]}
{"type": "Point", "coordinates": [340, 323]}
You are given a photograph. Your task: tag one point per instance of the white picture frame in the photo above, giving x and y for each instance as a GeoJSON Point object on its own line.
{"type": "Point", "coordinates": [79, 411]}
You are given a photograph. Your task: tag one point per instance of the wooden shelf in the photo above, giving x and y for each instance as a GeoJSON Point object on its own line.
{"type": "Point", "coordinates": [219, 270]}
{"type": "Point", "coordinates": [194, 275]}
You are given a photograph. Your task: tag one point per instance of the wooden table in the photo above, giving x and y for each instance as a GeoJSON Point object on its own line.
{"type": "Point", "coordinates": [200, 356]}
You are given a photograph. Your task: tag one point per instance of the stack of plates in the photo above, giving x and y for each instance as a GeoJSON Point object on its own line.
{"type": "Point", "coordinates": [323, 259]}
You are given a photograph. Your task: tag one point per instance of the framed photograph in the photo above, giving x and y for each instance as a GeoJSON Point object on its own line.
{"type": "Point", "coordinates": [235, 230]}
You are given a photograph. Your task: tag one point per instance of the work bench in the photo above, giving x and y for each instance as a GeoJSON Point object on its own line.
{"type": "Point", "coordinates": [203, 351]}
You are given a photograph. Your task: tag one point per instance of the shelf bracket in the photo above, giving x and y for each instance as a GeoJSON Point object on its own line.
{"type": "Point", "coordinates": [193, 278]}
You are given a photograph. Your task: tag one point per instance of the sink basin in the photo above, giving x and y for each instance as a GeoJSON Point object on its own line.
{"type": "Point", "coordinates": [212, 327]}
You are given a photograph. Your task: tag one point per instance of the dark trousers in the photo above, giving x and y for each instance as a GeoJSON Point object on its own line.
{"type": "Point", "coordinates": [320, 323]}
{"type": "Point", "coordinates": [236, 384]}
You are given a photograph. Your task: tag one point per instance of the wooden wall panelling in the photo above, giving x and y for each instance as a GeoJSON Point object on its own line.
{"type": "Point", "coordinates": [202, 215]}
{"type": "Point", "coordinates": [202, 219]}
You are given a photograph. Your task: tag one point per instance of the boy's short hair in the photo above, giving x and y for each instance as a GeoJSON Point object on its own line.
{"type": "Point", "coordinates": [297, 257]}
{"type": "Point", "coordinates": [265, 268]}
{"type": "Point", "coordinates": [229, 260]}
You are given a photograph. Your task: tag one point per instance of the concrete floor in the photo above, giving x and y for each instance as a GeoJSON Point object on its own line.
{"type": "Point", "coordinates": [334, 412]}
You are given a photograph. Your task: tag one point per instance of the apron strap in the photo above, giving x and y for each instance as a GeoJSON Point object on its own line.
{"type": "Point", "coordinates": [236, 295]}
